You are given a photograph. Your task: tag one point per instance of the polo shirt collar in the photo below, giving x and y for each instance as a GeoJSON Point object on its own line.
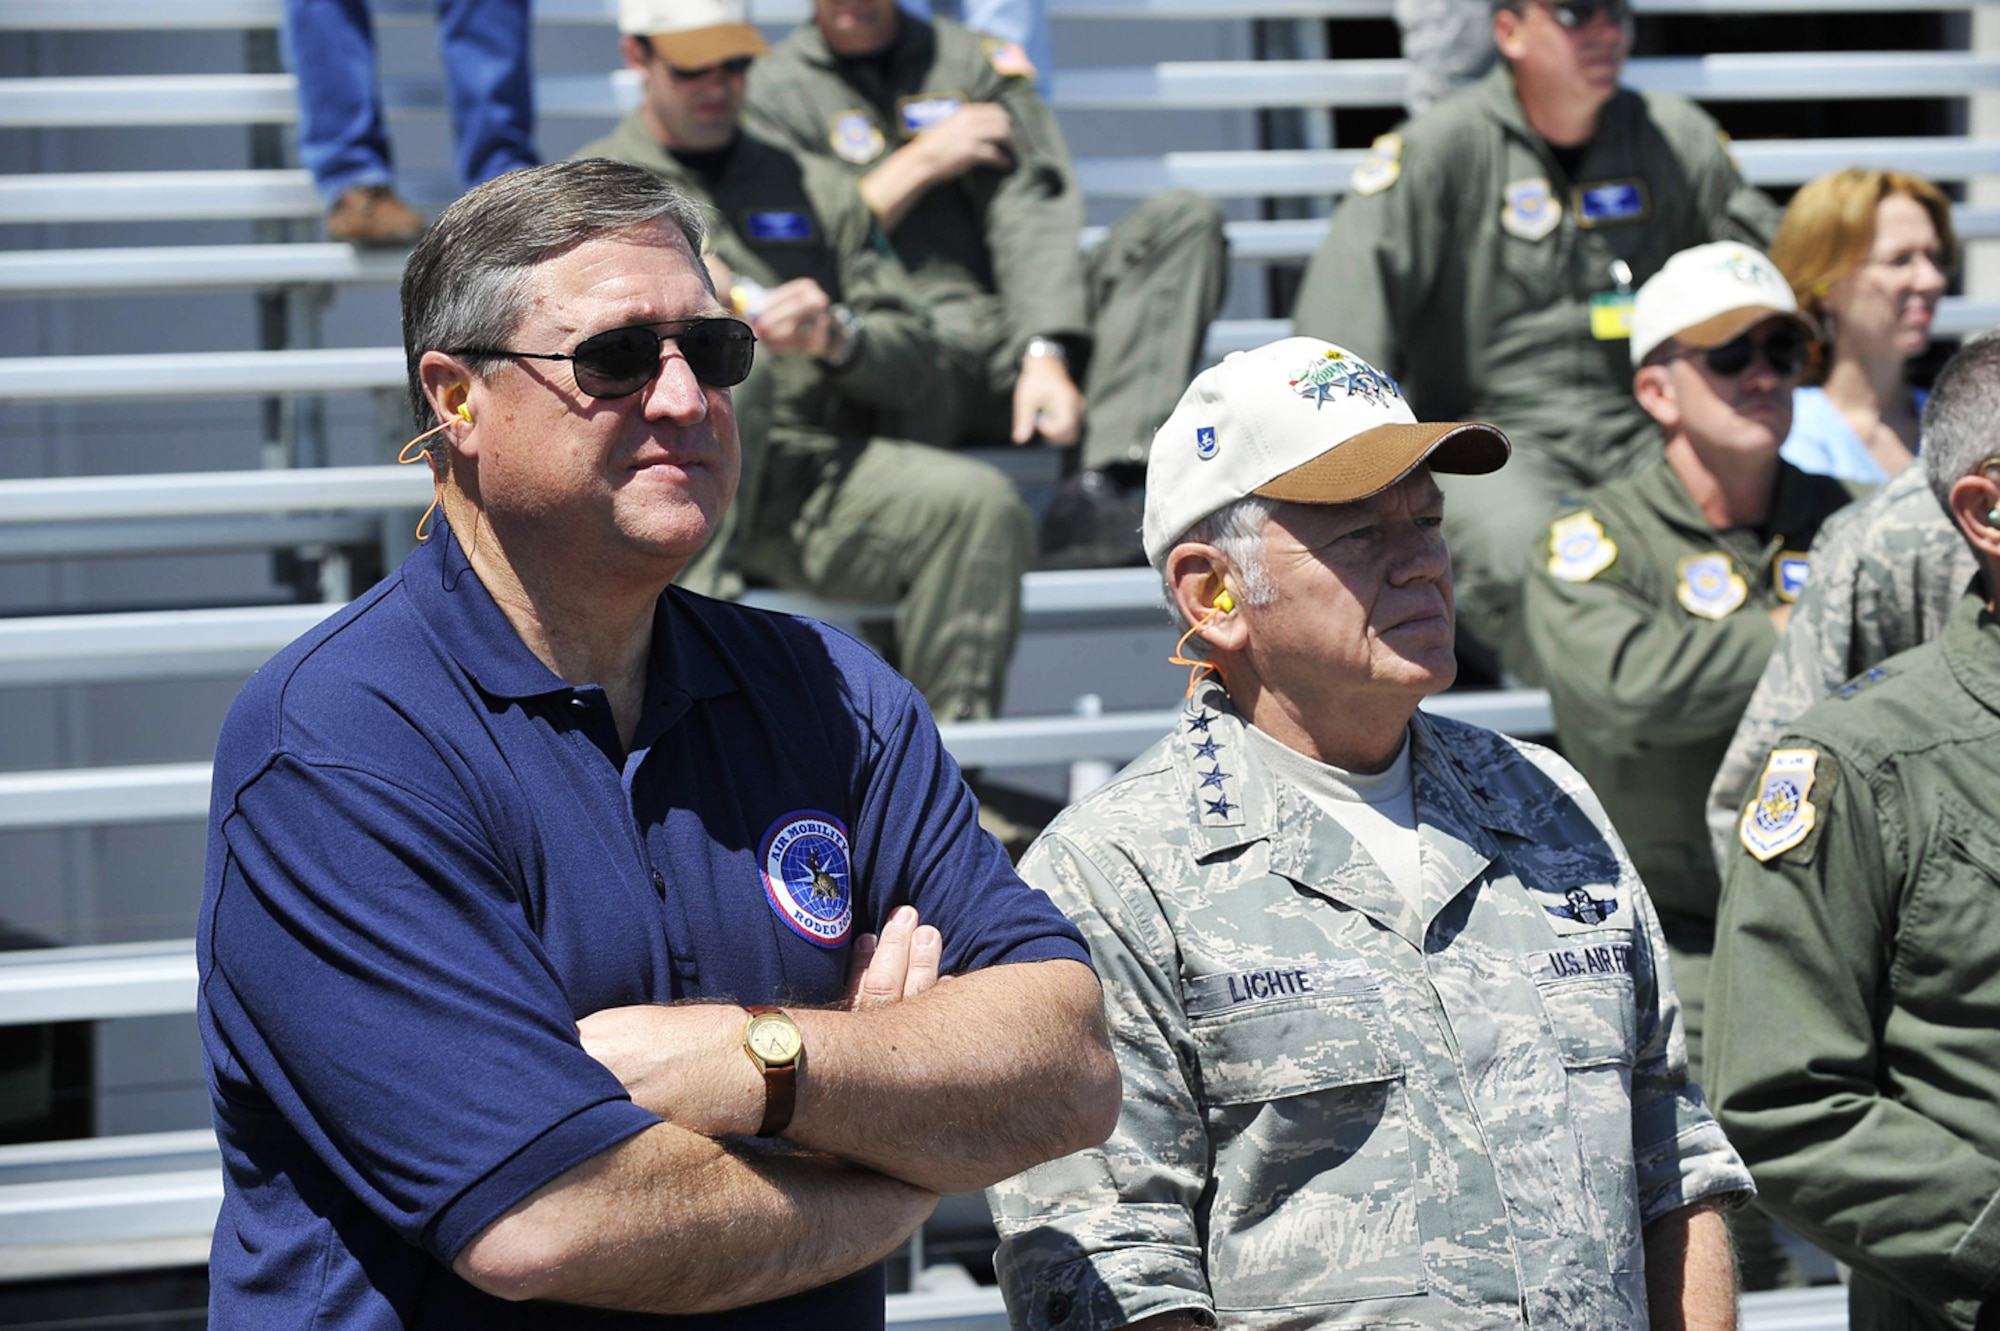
{"type": "Point", "coordinates": [469, 626]}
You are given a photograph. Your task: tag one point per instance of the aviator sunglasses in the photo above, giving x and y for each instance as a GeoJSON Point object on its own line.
{"type": "Point", "coordinates": [621, 361]}
{"type": "Point", "coordinates": [1783, 348]}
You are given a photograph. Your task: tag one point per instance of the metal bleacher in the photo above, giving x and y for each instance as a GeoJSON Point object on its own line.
{"type": "Point", "coordinates": [144, 1200]}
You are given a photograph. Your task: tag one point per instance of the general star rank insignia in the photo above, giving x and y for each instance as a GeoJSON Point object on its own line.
{"type": "Point", "coordinates": [855, 138]}
{"type": "Point", "coordinates": [1381, 168]}
{"type": "Point", "coordinates": [1578, 548]}
{"type": "Point", "coordinates": [1710, 586]}
{"type": "Point", "coordinates": [1781, 816]}
{"type": "Point", "coordinates": [1529, 209]}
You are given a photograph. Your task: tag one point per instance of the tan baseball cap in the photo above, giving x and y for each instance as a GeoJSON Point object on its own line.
{"type": "Point", "coordinates": [1299, 420]}
{"type": "Point", "coordinates": [1707, 295]}
{"type": "Point", "coordinates": [693, 34]}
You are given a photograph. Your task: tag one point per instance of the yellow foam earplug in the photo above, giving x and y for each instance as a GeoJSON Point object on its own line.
{"type": "Point", "coordinates": [465, 413]}
{"type": "Point", "coordinates": [1225, 602]}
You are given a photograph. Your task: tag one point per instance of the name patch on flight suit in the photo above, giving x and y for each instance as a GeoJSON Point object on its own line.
{"type": "Point", "coordinates": [1203, 995]}
{"type": "Point", "coordinates": [1569, 963]}
{"type": "Point", "coordinates": [1781, 816]}
{"type": "Point", "coordinates": [926, 110]}
{"type": "Point", "coordinates": [1610, 202]}
{"type": "Point", "coordinates": [1788, 575]}
{"type": "Point", "coordinates": [1578, 548]}
{"type": "Point", "coordinates": [855, 138]}
{"type": "Point", "coordinates": [1710, 586]}
{"type": "Point", "coordinates": [1380, 168]}
{"type": "Point", "coordinates": [1529, 209]}
{"type": "Point", "coordinates": [778, 226]}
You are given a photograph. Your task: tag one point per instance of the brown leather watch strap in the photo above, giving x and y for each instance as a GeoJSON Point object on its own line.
{"type": "Point", "coordinates": [780, 1086]}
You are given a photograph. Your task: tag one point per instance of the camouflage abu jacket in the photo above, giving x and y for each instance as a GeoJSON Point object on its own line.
{"type": "Point", "coordinates": [1346, 1105]}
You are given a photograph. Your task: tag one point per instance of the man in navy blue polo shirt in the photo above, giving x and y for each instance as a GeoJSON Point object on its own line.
{"type": "Point", "coordinates": [499, 855]}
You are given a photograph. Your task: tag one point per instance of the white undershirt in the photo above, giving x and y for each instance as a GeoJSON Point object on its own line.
{"type": "Point", "coordinates": [1379, 810]}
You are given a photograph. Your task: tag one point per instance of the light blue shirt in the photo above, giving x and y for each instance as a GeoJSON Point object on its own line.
{"type": "Point", "coordinates": [1823, 442]}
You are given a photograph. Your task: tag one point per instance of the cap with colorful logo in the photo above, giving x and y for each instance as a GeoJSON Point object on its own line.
{"type": "Point", "coordinates": [1300, 420]}
{"type": "Point", "coordinates": [1707, 295]}
{"type": "Point", "coordinates": [693, 34]}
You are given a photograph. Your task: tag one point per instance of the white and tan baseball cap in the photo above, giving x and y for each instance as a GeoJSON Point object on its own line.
{"type": "Point", "coordinates": [1301, 420]}
{"type": "Point", "coordinates": [1707, 295]}
{"type": "Point", "coordinates": [693, 34]}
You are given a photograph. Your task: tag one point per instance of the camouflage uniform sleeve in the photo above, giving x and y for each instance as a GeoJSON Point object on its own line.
{"type": "Point", "coordinates": [1811, 660]}
{"type": "Point", "coordinates": [1679, 1153]}
{"type": "Point", "coordinates": [900, 362]}
{"type": "Point", "coordinates": [1633, 672]}
{"type": "Point", "coordinates": [1107, 1236]}
{"type": "Point", "coordinates": [1799, 989]}
{"type": "Point", "coordinates": [1032, 224]}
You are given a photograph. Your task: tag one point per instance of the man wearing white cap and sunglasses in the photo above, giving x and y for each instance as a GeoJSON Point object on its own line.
{"type": "Point", "coordinates": [1654, 601]}
{"type": "Point", "coordinates": [1391, 1006]}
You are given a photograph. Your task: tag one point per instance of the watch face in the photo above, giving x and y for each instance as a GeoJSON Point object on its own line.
{"type": "Point", "coordinates": [773, 1039]}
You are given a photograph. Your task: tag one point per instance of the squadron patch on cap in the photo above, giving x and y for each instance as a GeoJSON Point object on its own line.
{"type": "Point", "coordinates": [1381, 168]}
{"type": "Point", "coordinates": [1781, 816]}
{"type": "Point", "coordinates": [1529, 209]}
{"type": "Point", "coordinates": [1578, 548]}
{"type": "Point", "coordinates": [1710, 586]}
{"type": "Point", "coordinates": [855, 138]}
{"type": "Point", "coordinates": [1335, 375]}
{"type": "Point", "coordinates": [1788, 575]}
{"type": "Point", "coordinates": [1205, 446]}
{"type": "Point", "coordinates": [808, 876]}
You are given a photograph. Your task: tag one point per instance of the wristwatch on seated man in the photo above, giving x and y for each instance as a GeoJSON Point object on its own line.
{"type": "Point", "coordinates": [775, 1045]}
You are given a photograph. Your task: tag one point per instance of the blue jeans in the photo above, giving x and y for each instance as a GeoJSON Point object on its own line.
{"type": "Point", "coordinates": [330, 46]}
{"type": "Point", "coordinates": [1023, 22]}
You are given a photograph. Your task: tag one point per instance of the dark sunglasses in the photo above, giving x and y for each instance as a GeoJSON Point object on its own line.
{"type": "Point", "coordinates": [1575, 15]}
{"type": "Point", "coordinates": [735, 67]}
{"type": "Point", "coordinates": [1783, 349]}
{"type": "Point", "coordinates": [620, 362]}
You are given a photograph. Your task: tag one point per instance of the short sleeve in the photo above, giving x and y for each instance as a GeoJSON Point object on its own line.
{"type": "Point", "coordinates": [371, 971]}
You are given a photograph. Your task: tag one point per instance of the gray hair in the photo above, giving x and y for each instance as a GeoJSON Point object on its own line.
{"type": "Point", "coordinates": [1237, 530]}
{"type": "Point", "coordinates": [469, 281]}
{"type": "Point", "coordinates": [1961, 425]}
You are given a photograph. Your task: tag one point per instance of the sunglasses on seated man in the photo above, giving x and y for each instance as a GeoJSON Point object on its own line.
{"type": "Point", "coordinates": [1575, 15]}
{"type": "Point", "coordinates": [1783, 349]}
{"type": "Point", "coordinates": [735, 67]}
{"type": "Point", "coordinates": [621, 361]}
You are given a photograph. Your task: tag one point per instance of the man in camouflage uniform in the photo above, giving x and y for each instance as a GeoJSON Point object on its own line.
{"type": "Point", "coordinates": [1486, 255]}
{"type": "Point", "coordinates": [1653, 603]}
{"type": "Point", "coordinates": [964, 167]}
{"type": "Point", "coordinates": [1399, 1042]}
{"type": "Point", "coordinates": [1885, 576]}
{"type": "Point", "coordinates": [1855, 1049]}
{"type": "Point", "coordinates": [836, 500]}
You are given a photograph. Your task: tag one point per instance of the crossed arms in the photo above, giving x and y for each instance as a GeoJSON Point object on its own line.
{"type": "Point", "coordinates": [912, 1089]}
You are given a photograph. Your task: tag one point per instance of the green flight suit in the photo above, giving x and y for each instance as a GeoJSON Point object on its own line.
{"type": "Point", "coordinates": [995, 251]}
{"type": "Point", "coordinates": [832, 502]}
{"type": "Point", "coordinates": [1856, 997]}
{"type": "Point", "coordinates": [1464, 262]}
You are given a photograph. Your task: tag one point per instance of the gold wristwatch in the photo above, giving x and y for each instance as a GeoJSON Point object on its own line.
{"type": "Point", "coordinates": [774, 1044]}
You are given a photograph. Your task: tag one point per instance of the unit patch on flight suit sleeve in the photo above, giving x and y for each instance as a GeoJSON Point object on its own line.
{"type": "Point", "coordinates": [855, 138]}
{"type": "Point", "coordinates": [1710, 586]}
{"type": "Point", "coordinates": [1381, 168]}
{"type": "Point", "coordinates": [1781, 817]}
{"type": "Point", "coordinates": [1578, 548]}
{"type": "Point", "coordinates": [1529, 209]}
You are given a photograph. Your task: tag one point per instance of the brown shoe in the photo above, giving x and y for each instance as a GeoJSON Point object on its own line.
{"type": "Point", "coordinates": [372, 216]}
